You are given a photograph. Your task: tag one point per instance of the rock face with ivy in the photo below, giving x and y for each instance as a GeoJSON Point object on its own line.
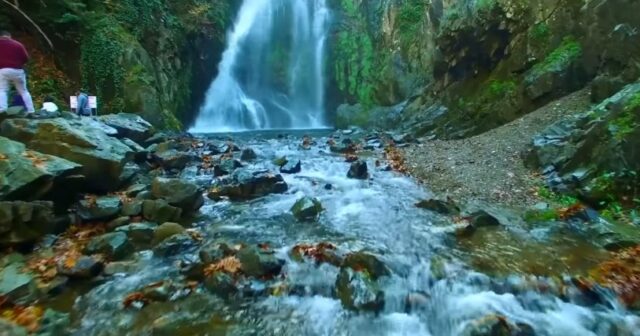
{"type": "Point", "coordinates": [457, 68]}
{"type": "Point", "coordinates": [154, 58]}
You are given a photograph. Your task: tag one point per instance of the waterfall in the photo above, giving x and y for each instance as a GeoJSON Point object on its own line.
{"type": "Point", "coordinates": [271, 75]}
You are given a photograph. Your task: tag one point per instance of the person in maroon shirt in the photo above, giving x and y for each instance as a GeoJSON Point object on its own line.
{"type": "Point", "coordinates": [13, 57]}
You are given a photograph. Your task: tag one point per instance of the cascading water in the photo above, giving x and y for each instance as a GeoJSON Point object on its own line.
{"type": "Point", "coordinates": [271, 74]}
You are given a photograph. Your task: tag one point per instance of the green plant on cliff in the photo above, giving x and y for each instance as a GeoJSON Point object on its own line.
{"type": "Point", "coordinates": [100, 61]}
{"type": "Point", "coordinates": [627, 123]}
{"type": "Point", "coordinates": [410, 19]}
{"type": "Point", "coordinates": [559, 59]}
{"type": "Point", "coordinates": [355, 66]}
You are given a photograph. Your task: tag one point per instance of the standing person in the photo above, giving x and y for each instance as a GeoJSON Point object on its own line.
{"type": "Point", "coordinates": [13, 57]}
{"type": "Point", "coordinates": [83, 108]}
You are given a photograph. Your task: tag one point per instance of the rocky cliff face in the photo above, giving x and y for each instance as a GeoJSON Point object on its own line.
{"type": "Point", "coordinates": [155, 58]}
{"type": "Point", "coordinates": [463, 67]}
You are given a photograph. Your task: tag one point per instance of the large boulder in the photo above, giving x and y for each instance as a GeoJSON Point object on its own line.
{"type": "Point", "coordinates": [160, 211]}
{"type": "Point", "coordinates": [358, 170]}
{"type": "Point", "coordinates": [84, 141]}
{"type": "Point", "coordinates": [306, 208]}
{"type": "Point", "coordinates": [114, 245]}
{"type": "Point", "coordinates": [129, 125]}
{"type": "Point", "coordinates": [259, 262]}
{"type": "Point", "coordinates": [246, 184]}
{"type": "Point", "coordinates": [179, 193]}
{"type": "Point", "coordinates": [16, 284]}
{"type": "Point", "coordinates": [22, 222]}
{"type": "Point", "coordinates": [358, 291]}
{"type": "Point", "coordinates": [27, 174]}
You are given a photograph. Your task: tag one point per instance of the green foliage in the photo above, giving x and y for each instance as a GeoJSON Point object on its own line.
{"type": "Point", "coordinates": [141, 16]}
{"type": "Point", "coordinates": [356, 62]}
{"type": "Point", "coordinates": [410, 19]}
{"type": "Point", "coordinates": [100, 61]}
{"type": "Point", "coordinates": [556, 198]}
{"type": "Point", "coordinates": [540, 216]}
{"type": "Point", "coordinates": [540, 32]}
{"type": "Point", "coordinates": [627, 123]}
{"type": "Point", "coordinates": [559, 59]}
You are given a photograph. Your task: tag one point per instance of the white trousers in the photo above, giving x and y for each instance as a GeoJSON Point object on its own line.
{"type": "Point", "coordinates": [18, 78]}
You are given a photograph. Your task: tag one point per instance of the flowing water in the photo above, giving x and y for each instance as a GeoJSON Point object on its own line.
{"type": "Point", "coordinates": [376, 215]}
{"type": "Point", "coordinates": [271, 74]}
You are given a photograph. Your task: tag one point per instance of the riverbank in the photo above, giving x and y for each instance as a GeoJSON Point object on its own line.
{"type": "Point", "coordinates": [490, 166]}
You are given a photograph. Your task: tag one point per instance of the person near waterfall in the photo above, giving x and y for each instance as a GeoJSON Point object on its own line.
{"type": "Point", "coordinates": [13, 58]}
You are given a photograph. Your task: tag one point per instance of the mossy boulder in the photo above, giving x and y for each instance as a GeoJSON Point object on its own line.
{"type": "Point", "coordinates": [358, 291]}
{"type": "Point", "coordinates": [259, 262]}
{"type": "Point", "coordinates": [27, 174]}
{"type": "Point", "coordinates": [167, 230]}
{"type": "Point", "coordinates": [306, 208]}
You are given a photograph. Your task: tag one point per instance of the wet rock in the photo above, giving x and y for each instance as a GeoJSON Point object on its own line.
{"type": "Point", "coordinates": [159, 292]}
{"type": "Point", "coordinates": [27, 174]}
{"type": "Point", "coordinates": [55, 286]}
{"type": "Point", "coordinates": [415, 301]}
{"type": "Point", "coordinates": [245, 184]}
{"type": "Point", "coordinates": [226, 167]}
{"type": "Point", "coordinates": [342, 148]}
{"type": "Point", "coordinates": [83, 267]}
{"type": "Point", "coordinates": [280, 161]}
{"type": "Point", "coordinates": [358, 170]}
{"type": "Point", "coordinates": [358, 291]}
{"type": "Point", "coordinates": [140, 234]}
{"type": "Point", "coordinates": [174, 245]}
{"type": "Point", "coordinates": [114, 245]}
{"type": "Point", "coordinates": [482, 219]}
{"type": "Point", "coordinates": [213, 252]}
{"type": "Point", "coordinates": [229, 147]}
{"type": "Point", "coordinates": [22, 222]}
{"type": "Point", "coordinates": [365, 261]}
{"type": "Point", "coordinates": [132, 208]}
{"type": "Point", "coordinates": [179, 193]}
{"type": "Point", "coordinates": [306, 208]}
{"type": "Point", "coordinates": [167, 230]}
{"type": "Point", "coordinates": [291, 167]}
{"type": "Point", "coordinates": [54, 323]}
{"type": "Point", "coordinates": [118, 222]}
{"type": "Point", "coordinates": [248, 154]}
{"type": "Point", "coordinates": [160, 211]}
{"type": "Point", "coordinates": [495, 325]}
{"type": "Point", "coordinates": [116, 267]}
{"type": "Point", "coordinates": [10, 329]}
{"type": "Point", "coordinates": [85, 142]}
{"type": "Point", "coordinates": [328, 186]}
{"type": "Point", "coordinates": [258, 262]}
{"type": "Point", "coordinates": [102, 208]}
{"type": "Point", "coordinates": [129, 125]}
{"type": "Point", "coordinates": [445, 207]}
{"type": "Point", "coordinates": [16, 284]}
{"type": "Point", "coordinates": [319, 253]}
{"type": "Point", "coordinates": [221, 284]}
{"type": "Point", "coordinates": [174, 159]}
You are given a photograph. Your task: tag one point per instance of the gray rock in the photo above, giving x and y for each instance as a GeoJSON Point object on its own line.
{"type": "Point", "coordinates": [129, 125]}
{"type": "Point", "coordinates": [226, 167]}
{"type": "Point", "coordinates": [358, 170]}
{"type": "Point", "coordinates": [27, 174]}
{"type": "Point", "coordinates": [84, 142]}
{"type": "Point", "coordinates": [494, 325]}
{"type": "Point", "coordinates": [139, 234]}
{"type": "Point", "coordinates": [17, 285]}
{"type": "Point", "coordinates": [179, 193]}
{"type": "Point", "coordinates": [445, 207]}
{"type": "Point", "coordinates": [248, 154]}
{"type": "Point", "coordinates": [175, 245]}
{"type": "Point", "coordinates": [221, 284]}
{"type": "Point", "coordinates": [54, 323]}
{"type": "Point", "coordinates": [159, 211]}
{"type": "Point", "coordinates": [357, 291]}
{"type": "Point", "coordinates": [118, 222]}
{"type": "Point", "coordinates": [245, 184]}
{"type": "Point", "coordinates": [22, 222]}
{"type": "Point", "coordinates": [258, 263]}
{"type": "Point", "coordinates": [84, 267]}
{"type": "Point", "coordinates": [174, 159]}
{"type": "Point", "coordinates": [114, 245]}
{"type": "Point", "coordinates": [167, 230]}
{"type": "Point", "coordinates": [102, 208]}
{"type": "Point", "coordinates": [132, 208]}
{"type": "Point", "coordinates": [291, 167]}
{"type": "Point", "coordinates": [306, 208]}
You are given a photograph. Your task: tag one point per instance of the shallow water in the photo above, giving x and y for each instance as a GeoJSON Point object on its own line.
{"type": "Point", "coordinates": [377, 215]}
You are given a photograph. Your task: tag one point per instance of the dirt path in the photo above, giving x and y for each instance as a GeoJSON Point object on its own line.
{"type": "Point", "coordinates": [489, 166]}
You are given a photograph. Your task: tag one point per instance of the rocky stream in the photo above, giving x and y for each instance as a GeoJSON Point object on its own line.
{"type": "Point", "coordinates": [268, 233]}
